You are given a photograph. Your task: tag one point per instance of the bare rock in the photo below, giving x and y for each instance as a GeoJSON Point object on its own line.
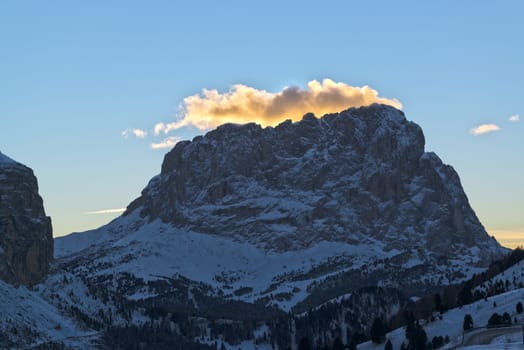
{"type": "Point", "coordinates": [26, 241]}
{"type": "Point", "coordinates": [354, 176]}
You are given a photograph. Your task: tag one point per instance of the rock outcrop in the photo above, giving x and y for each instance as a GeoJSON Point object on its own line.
{"type": "Point", "coordinates": [355, 176]}
{"type": "Point", "coordinates": [26, 240]}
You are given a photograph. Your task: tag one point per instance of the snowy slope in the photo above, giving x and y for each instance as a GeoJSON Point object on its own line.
{"type": "Point", "coordinates": [510, 279]}
{"type": "Point", "coordinates": [157, 249]}
{"type": "Point", "coordinates": [27, 319]}
{"type": "Point", "coordinates": [125, 261]}
{"type": "Point", "coordinates": [451, 323]}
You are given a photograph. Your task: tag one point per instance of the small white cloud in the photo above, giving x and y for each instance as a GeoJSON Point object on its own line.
{"type": "Point", "coordinates": [105, 211]}
{"type": "Point", "coordinates": [166, 128]}
{"type": "Point", "coordinates": [166, 143]}
{"type": "Point", "coordinates": [138, 133]}
{"type": "Point", "coordinates": [514, 118]}
{"type": "Point", "coordinates": [484, 129]}
{"type": "Point", "coordinates": [159, 127]}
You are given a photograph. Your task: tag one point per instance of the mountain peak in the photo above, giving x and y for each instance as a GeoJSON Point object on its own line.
{"type": "Point", "coordinates": [345, 212]}
{"type": "Point", "coordinates": [26, 241]}
{"type": "Point", "coordinates": [354, 176]}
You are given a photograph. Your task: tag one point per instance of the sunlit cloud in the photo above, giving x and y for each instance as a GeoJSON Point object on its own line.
{"type": "Point", "coordinates": [242, 104]}
{"type": "Point", "coordinates": [138, 133]}
{"type": "Point", "coordinates": [514, 118]}
{"type": "Point", "coordinates": [105, 211]}
{"type": "Point", "coordinates": [484, 129]}
{"type": "Point", "coordinates": [168, 142]}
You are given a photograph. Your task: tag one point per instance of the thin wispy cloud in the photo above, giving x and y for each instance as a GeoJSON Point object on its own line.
{"type": "Point", "coordinates": [243, 104]}
{"type": "Point", "coordinates": [514, 118]}
{"type": "Point", "coordinates": [105, 211]}
{"type": "Point", "coordinates": [484, 129]}
{"type": "Point", "coordinates": [168, 142]}
{"type": "Point", "coordinates": [138, 133]}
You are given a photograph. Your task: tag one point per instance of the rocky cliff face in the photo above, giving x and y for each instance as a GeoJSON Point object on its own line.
{"type": "Point", "coordinates": [26, 242]}
{"type": "Point", "coordinates": [356, 176]}
{"type": "Point", "coordinates": [310, 228]}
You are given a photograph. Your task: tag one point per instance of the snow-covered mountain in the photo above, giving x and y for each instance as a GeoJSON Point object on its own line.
{"type": "Point", "coordinates": [359, 176]}
{"type": "Point", "coordinates": [252, 237]}
{"type": "Point", "coordinates": [297, 211]}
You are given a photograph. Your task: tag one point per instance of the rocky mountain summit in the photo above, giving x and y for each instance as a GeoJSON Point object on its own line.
{"type": "Point", "coordinates": [357, 176]}
{"type": "Point", "coordinates": [257, 237]}
{"type": "Point", "coordinates": [26, 240]}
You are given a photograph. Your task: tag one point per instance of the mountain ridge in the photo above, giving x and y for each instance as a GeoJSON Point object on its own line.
{"type": "Point", "coordinates": [259, 237]}
{"type": "Point", "coordinates": [300, 183]}
{"type": "Point", "coordinates": [351, 196]}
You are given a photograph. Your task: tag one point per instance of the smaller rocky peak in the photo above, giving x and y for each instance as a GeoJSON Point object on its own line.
{"type": "Point", "coordinates": [285, 124]}
{"type": "Point", "coordinates": [230, 130]}
{"type": "Point", "coordinates": [380, 112]}
{"type": "Point", "coordinates": [309, 118]}
{"type": "Point", "coordinates": [26, 239]}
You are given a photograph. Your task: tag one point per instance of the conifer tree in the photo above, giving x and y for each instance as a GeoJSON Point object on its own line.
{"type": "Point", "coordinates": [378, 331]}
{"type": "Point", "coordinates": [468, 322]}
{"type": "Point", "coordinates": [519, 308]}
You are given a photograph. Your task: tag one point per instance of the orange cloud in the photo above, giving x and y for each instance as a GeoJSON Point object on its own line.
{"type": "Point", "coordinates": [243, 104]}
{"type": "Point", "coordinates": [484, 129]}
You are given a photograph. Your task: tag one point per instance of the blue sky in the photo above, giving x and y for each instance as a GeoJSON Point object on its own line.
{"type": "Point", "coordinates": [75, 75]}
